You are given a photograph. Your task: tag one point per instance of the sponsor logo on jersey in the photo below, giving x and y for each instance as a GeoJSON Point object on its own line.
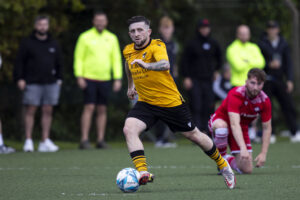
{"type": "Point", "coordinates": [144, 55]}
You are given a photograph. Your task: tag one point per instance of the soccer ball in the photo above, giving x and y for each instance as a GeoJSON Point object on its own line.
{"type": "Point", "coordinates": [128, 180]}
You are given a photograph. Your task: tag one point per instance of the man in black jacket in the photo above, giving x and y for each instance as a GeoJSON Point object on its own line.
{"type": "Point", "coordinates": [279, 71]}
{"type": "Point", "coordinates": [38, 72]}
{"type": "Point", "coordinates": [201, 60]}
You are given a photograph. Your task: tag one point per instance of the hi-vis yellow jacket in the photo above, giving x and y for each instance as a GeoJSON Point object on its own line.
{"type": "Point", "coordinates": [242, 57]}
{"type": "Point", "coordinates": [97, 56]}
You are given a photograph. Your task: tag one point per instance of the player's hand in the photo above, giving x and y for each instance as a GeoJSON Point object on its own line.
{"type": "Point", "coordinates": [187, 83]}
{"type": "Point", "coordinates": [81, 83]}
{"type": "Point", "coordinates": [274, 64]}
{"type": "Point", "coordinates": [59, 82]}
{"type": "Point", "coordinates": [117, 85]}
{"type": "Point", "coordinates": [140, 63]}
{"type": "Point", "coordinates": [245, 154]}
{"type": "Point", "coordinates": [289, 86]}
{"type": "Point", "coordinates": [21, 84]}
{"type": "Point", "coordinates": [260, 160]}
{"type": "Point", "coordinates": [131, 92]}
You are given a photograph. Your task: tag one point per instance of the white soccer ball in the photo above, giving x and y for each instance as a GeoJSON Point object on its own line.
{"type": "Point", "coordinates": [128, 180]}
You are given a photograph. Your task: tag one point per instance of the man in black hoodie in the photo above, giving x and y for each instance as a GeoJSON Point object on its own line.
{"type": "Point", "coordinates": [201, 60]}
{"type": "Point", "coordinates": [38, 72]}
{"type": "Point", "coordinates": [279, 71]}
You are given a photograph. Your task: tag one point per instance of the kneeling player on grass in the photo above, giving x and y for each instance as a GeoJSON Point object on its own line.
{"type": "Point", "coordinates": [229, 124]}
{"type": "Point", "coordinates": [147, 69]}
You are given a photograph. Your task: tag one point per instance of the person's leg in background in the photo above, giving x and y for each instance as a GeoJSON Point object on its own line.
{"type": "Point", "coordinates": [288, 108]}
{"type": "Point", "coordinates": [101, 121]}
{"type": "Point", "coordinates": [208, 104]}
{"type": "Point", "coordinates": [32, 98]}
{"type": "Point", "coordinates": [103, 93]}
{"type": "Point", "coordinates": [87, 113]}
{"type": "Point", "coordinates": [270, 89]}
{"type": "Point", "coordinates": [50, 97]}
{"type": "Point", "coordinates": [162, 133]}
{"type": "Point", "coordinates": [4, 149]}
{"type": "Point", "coordinates": [195, 102]}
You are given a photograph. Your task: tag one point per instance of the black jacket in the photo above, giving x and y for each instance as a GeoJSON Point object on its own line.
{"type": "Point", "coordinates": [38, 61]}
{"type": "Point", "coordinates": [281, 52]}
{"type": "Point", "coordinates": [202, 56]}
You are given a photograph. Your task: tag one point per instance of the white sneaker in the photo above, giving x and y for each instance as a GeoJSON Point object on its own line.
{"type": "Point", "coordinates": [47, 146]}
{"type": "Point", "coordinates": [272, 139]}
{"type": "Point", "coordinates": [296, 137]}
{"type": "Point", "coordinates": [285, 133]}
{"type": "Point", "coordinates": [228, 175]}
{"type": "Point", "coordinates": [28, 146]}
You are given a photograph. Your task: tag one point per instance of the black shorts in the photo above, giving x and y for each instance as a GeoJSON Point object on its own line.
{"type": "Point", "coordinates": [178, 118]}
{"type": "Point", "coordinates": [97, 92]}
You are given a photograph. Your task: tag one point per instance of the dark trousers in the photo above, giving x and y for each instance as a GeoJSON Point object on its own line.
{"type": "Point", "coordinates": [278, 90]}
{"type": "Point", "coordinates": [202, 103]}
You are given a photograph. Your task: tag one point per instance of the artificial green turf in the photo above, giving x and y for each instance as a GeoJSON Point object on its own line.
{"type": "Point", "coordinates": [181, 173]}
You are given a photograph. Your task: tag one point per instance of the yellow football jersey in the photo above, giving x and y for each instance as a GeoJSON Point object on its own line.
{"type": "Point", "coordinates": [154, 87]}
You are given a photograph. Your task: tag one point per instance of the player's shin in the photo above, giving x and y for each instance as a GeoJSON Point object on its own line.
{"type": "Point", "coordinates": [221, 140]}
{"type": "Point", "coordinates": [217, 157]}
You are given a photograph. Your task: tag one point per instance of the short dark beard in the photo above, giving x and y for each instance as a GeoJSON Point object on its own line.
{"type": "Point", "coordinates": [41, 33]}
{"type": "Point", "coordinates": [142, 43]}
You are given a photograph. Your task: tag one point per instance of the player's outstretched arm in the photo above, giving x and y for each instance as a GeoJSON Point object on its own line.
{"type": "Point", "coordinates": [161, 65]}
{"type": "Point", "coordinates": [238, 134]}
{"type": "Point", "coordinates": [267, 130]}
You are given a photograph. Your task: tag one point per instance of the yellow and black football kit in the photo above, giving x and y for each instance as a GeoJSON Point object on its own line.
{"type": "Point", "coordinates": [159, 99]}
{"type": "Point", "coordinates": [158, 95]}
{"type": "Point", "coordinates": [154, 87]}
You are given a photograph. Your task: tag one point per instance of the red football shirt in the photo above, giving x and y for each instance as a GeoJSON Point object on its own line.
{"type": "Point", "coordinates": [237, 101]}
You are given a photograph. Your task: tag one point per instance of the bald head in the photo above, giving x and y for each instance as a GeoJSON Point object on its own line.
{"type": "Point", "coordinates": [243, 33]}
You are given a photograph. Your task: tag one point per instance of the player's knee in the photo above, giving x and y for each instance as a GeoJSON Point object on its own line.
{"type": "Point", "coordinates": [89, 108]}
{"type": "Point", "coordinates": [247, 170]}
{"type": "Point", "coordinates": [219, 124]}
{"type": "Point", "coordinates": [191, 134]}
{"type": "Point", "coordinates": [221, 132]}
{"type": "Point", "coordinates": [126, 131]}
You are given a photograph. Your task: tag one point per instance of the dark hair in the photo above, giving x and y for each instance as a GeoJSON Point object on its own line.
{"type": "Point", "coordinates": [136, 19]}
{"type": "Point", "coordinates": [259, 74]}
{"type": "Point", "coordinates": [98, 12]}
{"type": "Point", "coordinates": [41, 17]}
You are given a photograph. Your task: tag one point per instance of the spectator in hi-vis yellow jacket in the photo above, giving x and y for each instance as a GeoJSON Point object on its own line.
{"type": "Point", "coordinates": [97, 61]}
{"type": "Point", "coordinates": [242, 56]}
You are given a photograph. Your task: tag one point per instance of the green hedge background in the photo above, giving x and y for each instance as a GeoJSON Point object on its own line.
{"type": "Point", "coordinates": [71, 17]}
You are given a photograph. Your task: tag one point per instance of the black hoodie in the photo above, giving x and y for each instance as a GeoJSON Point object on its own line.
{"type": "Point", "coordinates": [201, 58]}
{"type": "Point", "coordinates": [282, 52]}
{"type": "Point", "coordinates": [38, 61]}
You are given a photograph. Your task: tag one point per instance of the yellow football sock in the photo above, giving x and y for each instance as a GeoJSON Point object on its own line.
{"type": "Point", "coordinates": [139, 160]}
{"type": "Point", "coordinates": [216, 156]}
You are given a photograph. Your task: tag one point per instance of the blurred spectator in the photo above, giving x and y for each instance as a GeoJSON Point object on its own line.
{"type": "Point", "coordinates": [97, 56]}
{"type": "Point", "coordinates": [242, 56]}
{"type": "Point", "coordinates": [38, 72]}
{"type": "Point", "coordinates": [166, 30]}
{"type": "Point", "coordinates": [279, 71]}
{"type": "Point", "coordinates": [222, 85]}
{"type": "Point", "coordinates": [201, 59]}
{"type": "Point", "coordinates": [3, 149]}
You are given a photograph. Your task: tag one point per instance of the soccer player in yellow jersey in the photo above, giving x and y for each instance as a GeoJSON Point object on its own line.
{"type": "Point", "coordinates": [147, 69]}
